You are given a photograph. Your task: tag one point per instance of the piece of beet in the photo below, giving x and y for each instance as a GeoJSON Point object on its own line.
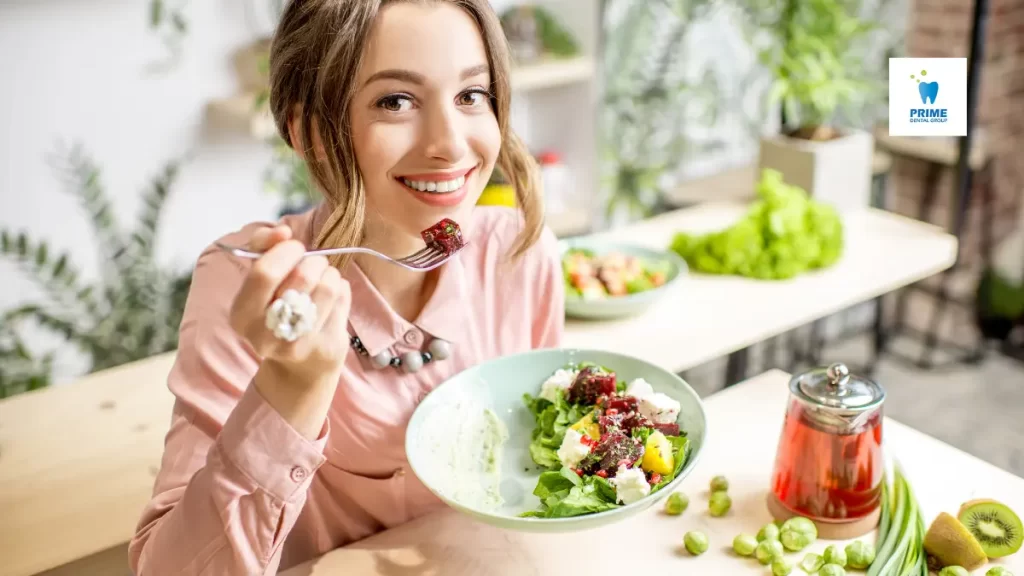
{"type": "Point", "coordinates": [589, 385]}
{"type": "Point", "coordinates": [670, 429]}
{"type": "Point", "coordinates": [445, 236]}
{"type": "Point", "coordinates": [614, 449]}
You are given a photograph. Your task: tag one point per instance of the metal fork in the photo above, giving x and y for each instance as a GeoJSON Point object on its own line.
{"type": "Point", "coordinates": [422, 261]}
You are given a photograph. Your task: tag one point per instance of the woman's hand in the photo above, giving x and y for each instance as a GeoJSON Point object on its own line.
{"type": "Point", "coordinates": [297, 377]}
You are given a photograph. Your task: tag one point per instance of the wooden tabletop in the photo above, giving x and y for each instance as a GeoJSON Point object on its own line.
{"type": "Point", "coordinates": [743, 429]}
{"type": "Point", "coordinates": [77, 461]}
{"type": "Point", "coordinates": [705, 317]}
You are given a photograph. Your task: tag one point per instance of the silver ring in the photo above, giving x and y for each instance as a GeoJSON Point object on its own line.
{"type": "Point", "coordinates": [291, 316]}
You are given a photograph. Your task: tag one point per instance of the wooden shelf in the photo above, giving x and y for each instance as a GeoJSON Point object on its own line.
{"type": "Point", "coordinates": [239, 113]}
{"type": "Point", "coordinates": [552, 73]}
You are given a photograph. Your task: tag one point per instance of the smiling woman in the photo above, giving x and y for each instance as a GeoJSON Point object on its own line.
{"type": "Point", "coordinates": [286, 435]}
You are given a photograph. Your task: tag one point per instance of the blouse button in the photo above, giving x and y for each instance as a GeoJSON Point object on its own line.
{"type": "Point", "coordinates": [412, 337]}
{"type": "Point", "coordinates": [298, 474]}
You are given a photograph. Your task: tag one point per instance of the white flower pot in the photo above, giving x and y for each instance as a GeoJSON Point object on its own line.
{"type": "Point", "coordinates": [837, 172]}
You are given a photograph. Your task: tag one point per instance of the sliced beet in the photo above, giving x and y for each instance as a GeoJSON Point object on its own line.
{"type": "Point", "coordinates": [622, 404]}
{"type": "Point", "coordinates": [613, 450]}
{"type": "Point", "coordinates": [670, 429]}
{"type": "Point", "coordinates": [589, 385]}
{"type": "Point", "coordinates": [445, 236]}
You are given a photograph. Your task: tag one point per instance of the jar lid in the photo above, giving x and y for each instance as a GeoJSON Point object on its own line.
{"type": "Point", "coordinates": [834, 387]}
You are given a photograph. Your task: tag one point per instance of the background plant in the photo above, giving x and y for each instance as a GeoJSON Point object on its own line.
{"type": "Point", "coordinates": [650, 99]}
{"type": "Point", "coordinates": [132, 311]}
{"type": "Point", "coordinates": [288, 177]}
{"type": "Point", "coordinates": [819, 54]}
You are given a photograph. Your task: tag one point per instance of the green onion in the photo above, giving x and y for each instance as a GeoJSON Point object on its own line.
{"type": "Point", "coordinates": [901, 531]}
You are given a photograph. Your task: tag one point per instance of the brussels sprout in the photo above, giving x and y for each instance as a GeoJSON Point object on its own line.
{"type": "Point", "coordinates": [676, 503]}
{"type": "Point", "coordinates": [859, 555]}
{"type": "Point", "coordinates": [811, 563]}
{"type": "Point", "coordinates": [744, 545]}
{"type": "Point", "coordinates": [719, 504]}
{"type": "Point", "coordinates": [768, 550]}
{"type": "Point", "coordinates": [781, 567]}
{"type": "Point", "coordinates": [998, 571]}
{"type": "Point", "coordinates": [696, 542]}
{"type": "Point", "coordinates": [954, 571]}
{"type": "Point", "coordinates": [719, 484]}
{"type": "Point", "coordinates": [768, 532]}
{"type": "Point", "coordinates": [834, 555]}
{"type": "Point", "coordinates": [832, 570]}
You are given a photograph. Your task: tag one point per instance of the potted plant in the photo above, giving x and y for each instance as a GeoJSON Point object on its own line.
{"type": "Point", "coordinates": [131, 312]}
{"type": "Point", "coordinates": [817, 63]}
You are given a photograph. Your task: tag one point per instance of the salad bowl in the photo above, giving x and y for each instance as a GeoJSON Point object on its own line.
{"type": "Point", "coordinates": [607, 279]}
{"type": "Point", "coordinates": [491, 443]}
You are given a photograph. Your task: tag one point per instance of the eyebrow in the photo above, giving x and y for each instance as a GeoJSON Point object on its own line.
{"type": "Point", "coordinates": [416, 78]}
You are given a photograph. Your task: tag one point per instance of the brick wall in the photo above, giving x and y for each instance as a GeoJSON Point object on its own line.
{"type": "Point", "coordinates": [942, 28]}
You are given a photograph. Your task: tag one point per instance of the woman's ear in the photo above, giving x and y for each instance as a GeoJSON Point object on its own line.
{"type": "Point", "coordinates": [294, 133]}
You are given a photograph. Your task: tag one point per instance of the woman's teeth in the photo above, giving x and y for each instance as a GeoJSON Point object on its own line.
{"type": "Point", "coordinates": [441, 187]}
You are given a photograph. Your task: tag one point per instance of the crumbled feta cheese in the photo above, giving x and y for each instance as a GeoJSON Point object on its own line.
{"type": "Point", "coordinates": [630, 485]}
{"type": "Point", "coordinates": [572, 450]}
{"type": "Point", "coordinates": [659, 408]}
{"type": "Point", "coordinates": [639, 389]}
{"type": "Point", "coordinates": [560, 380]}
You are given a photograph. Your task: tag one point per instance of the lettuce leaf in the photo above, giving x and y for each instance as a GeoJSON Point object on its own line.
{"type": "Point", "coordinates": [563, 494]}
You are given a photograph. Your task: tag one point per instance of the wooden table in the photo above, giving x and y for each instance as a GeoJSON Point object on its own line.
{"type": "Point", "coordinates": [706, 317]}
{"type": "Point", "coordinates": [77, 461]}
{"type": "Point", "coordinates": [743, 426]}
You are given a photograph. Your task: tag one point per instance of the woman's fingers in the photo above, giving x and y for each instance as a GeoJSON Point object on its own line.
{"type": "Point", "coordinates": [261, 284]}
{"type": "Point", "coordinates": [332, 292]}
{"type": "Point", "coordinates": [305, 276]}
{"type": "Point", "coordinates": [267, 237]}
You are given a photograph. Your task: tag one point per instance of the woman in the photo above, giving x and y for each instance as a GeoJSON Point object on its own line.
{"type": "Point", "coordinates": [281, 449]}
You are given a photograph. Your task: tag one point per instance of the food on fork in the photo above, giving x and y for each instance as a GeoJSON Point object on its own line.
{"type": "Point", "coordinates": [445, 237]}
{"type": "Point", "coordinates": [603, 443]}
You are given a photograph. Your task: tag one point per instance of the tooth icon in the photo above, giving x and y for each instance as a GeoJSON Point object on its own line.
{"type": "Point", "coordinates": [928, 90]}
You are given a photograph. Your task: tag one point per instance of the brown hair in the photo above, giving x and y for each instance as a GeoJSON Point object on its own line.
{"type": "Point", "coordinates": [314, 58]}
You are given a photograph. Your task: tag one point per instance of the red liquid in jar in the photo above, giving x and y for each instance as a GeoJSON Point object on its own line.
{"type": "Point", "coordinates": [824, 474]}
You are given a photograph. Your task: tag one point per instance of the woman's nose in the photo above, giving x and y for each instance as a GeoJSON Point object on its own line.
{"type": "Point", "coordinates": [445, 136]}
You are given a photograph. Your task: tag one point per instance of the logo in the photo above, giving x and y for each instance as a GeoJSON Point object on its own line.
{"type": "Point", "coordinates": [929, 91]}
{"type": "Point", "coordinates": [933, 102]}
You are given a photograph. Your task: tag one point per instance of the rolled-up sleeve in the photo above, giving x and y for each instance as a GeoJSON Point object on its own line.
{"type": "Point", "coordinates": [234, 473]}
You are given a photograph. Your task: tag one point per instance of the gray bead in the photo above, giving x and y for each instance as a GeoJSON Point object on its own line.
{"type": "Point", "coordinates": [382, 360]}
{"type": "Point", "coordinates": [440, 349]}
{"type": "Point", "coordinates": [412, 361]}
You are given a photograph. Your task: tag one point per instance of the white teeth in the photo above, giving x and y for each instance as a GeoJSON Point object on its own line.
{"type": "Point", "coordinates": [432, 186]}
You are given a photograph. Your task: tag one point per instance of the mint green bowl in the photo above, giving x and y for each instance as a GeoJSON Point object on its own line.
{"type": "Point", "coordinates": [445, 439]}
{"type": "Point", "coordinates": [617, 307]}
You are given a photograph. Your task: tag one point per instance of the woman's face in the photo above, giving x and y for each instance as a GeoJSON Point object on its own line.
{"type": "Point", "coordinates": [425, 136]}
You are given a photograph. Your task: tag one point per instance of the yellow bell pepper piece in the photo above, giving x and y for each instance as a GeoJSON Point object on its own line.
{"type": "Point", "coordinates": [587, 425]}
{"type": "Point", "coordinates": [658, 455]}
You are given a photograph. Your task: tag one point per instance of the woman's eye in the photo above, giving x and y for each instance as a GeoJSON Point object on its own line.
{"type": "Point", "coordinates": [395, 103]}
{"type": "Point", "coordinates": [473, 98]}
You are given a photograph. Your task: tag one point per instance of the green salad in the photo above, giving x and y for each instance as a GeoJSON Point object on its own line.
{"type": "Point", "coordinates": [593, 276]}
{"type": "Point", "coordinates": [602, 443]}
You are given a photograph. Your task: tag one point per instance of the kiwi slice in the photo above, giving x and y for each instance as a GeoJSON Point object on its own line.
{"type": "Point", "coordinates": [997, 528]}
{"type": "Point", "coordinates": [949, 543]}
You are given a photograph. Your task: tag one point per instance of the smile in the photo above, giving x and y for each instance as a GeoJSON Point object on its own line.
{"type": "Point", "coordinates": [438, 187]}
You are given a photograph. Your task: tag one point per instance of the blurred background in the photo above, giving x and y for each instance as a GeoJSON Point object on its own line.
{"type": "Point", "coordinates": [135, 132]}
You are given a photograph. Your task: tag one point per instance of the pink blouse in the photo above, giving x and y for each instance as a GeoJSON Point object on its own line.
{"type": "Point", "coordinates": [241, 492]}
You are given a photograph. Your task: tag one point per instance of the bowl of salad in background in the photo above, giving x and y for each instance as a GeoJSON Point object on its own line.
{"type": "Point", "coordinates": [607, 280]}
{"type": "Point", "coordinates": [556, 440]}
